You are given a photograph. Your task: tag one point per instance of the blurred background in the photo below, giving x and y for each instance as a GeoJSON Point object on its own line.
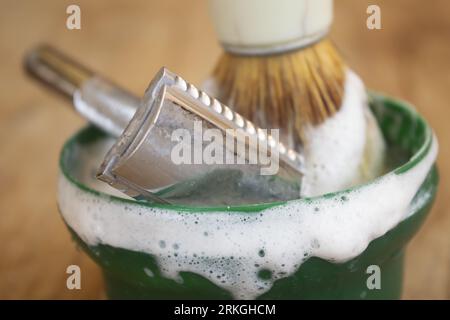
{"type": "Point", "coordinates": [129, 41]}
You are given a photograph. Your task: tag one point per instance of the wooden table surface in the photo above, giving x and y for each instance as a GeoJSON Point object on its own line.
{"type": "Point", "coordinates": [129, 41]}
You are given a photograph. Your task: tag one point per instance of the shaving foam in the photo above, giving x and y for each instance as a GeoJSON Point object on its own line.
{"type": "Point", "coordinates": [336, 149]}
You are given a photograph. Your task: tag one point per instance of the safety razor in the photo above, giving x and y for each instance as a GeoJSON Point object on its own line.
{"type": "Point", "coordinates": [177, 144]}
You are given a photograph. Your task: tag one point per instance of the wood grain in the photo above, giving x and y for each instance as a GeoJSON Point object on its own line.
{"type": "Point", "coordinates": [129, 41]}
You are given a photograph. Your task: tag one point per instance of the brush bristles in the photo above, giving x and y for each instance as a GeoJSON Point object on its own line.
{"type": "Point", "coordinates": [286, 90]}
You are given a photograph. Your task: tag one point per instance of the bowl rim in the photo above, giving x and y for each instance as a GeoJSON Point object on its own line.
{"type": "Point", "coordinates": [373, 96]}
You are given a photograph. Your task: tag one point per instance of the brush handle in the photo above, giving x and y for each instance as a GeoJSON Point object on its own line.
{"type": "Point", "coordinates": [270, 26]}
{"type": "Point", "coordinates": [101, 102]}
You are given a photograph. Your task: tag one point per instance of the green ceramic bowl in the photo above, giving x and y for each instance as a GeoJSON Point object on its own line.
{"type": "Point", "coordinates": [316, 278]}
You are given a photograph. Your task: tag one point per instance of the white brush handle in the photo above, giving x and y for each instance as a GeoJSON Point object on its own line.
{"type": "Point", "coordinates": [269, 26]}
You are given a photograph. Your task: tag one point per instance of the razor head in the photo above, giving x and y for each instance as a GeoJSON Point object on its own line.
{"type": "Point", "coordinates": [169, 142]}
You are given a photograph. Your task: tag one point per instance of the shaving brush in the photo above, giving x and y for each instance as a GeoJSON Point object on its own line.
{"type": "Point", "coordinates": [280, 70]}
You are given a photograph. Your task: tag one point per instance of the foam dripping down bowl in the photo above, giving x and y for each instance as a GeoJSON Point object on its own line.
{"type": "Point", "coordinates": [318, 248]}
